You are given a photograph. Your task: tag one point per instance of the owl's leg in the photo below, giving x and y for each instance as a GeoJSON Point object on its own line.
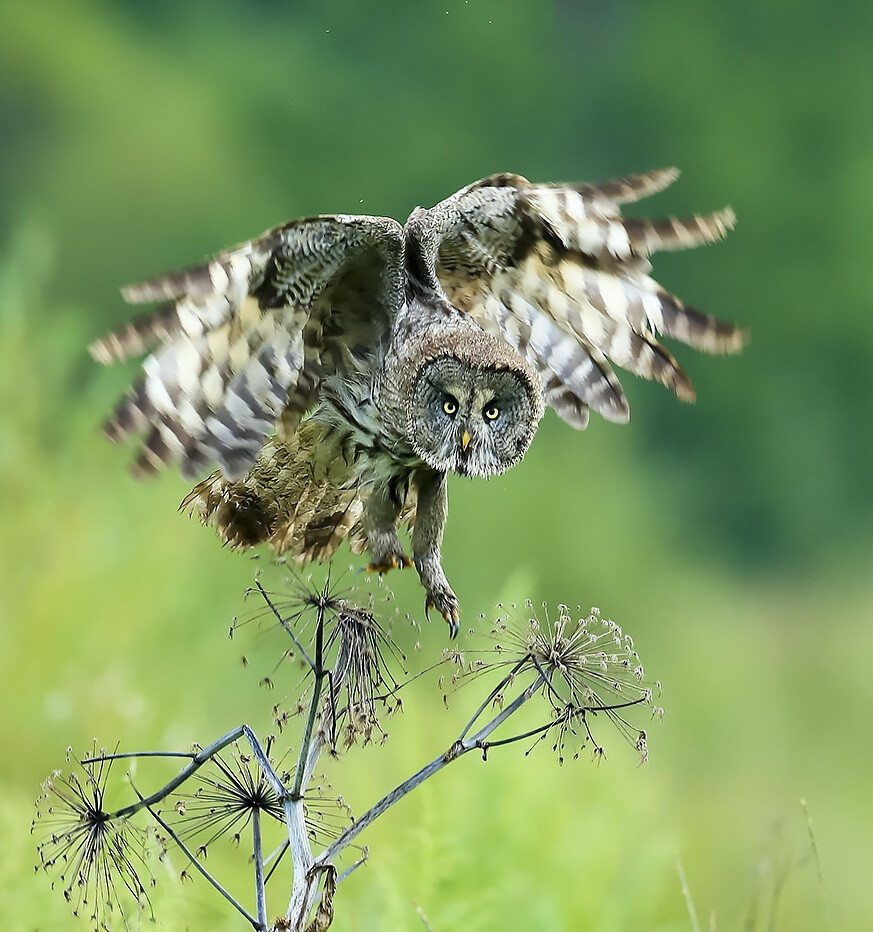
{"type": "Point", "coordinates": [381, 513]}
{"type": "Point", "coordinates": [427, 537]}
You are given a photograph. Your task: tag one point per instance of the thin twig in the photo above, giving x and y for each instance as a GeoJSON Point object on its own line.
{"type": "Point", "coordinates": [264, 762]}
{"type": "Point", "coordinates": [458, 749]}
{"type": "Point", "coordinates": [349, 870]}
{"type": "Point", "coordinates": [191, 857]}
{"type": "Point", "coordinates": [528, 734]}
{"type": "Point", "coordinates": [122, 755]}
{"type": "Point", "coordinates": [276, 857]}
{"type": "Point", "coordinates": [284, 624]}
{"type": "Point", "coordinates": [198, 759]}
{"type": "Point", "coordinates": [409, 679]}
{"type": "Point", "coordinates": [492, 695]}
{"type": "Point", "coordinates": [476, 740]}
{"type": "Point", "coordinates": [550, 685]}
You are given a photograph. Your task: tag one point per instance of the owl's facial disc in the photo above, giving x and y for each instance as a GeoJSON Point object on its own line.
{"type": "Point", "coordinates": [470, 420]}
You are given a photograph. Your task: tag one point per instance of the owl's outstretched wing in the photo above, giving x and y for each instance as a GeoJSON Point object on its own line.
{"type": "Point", "coordinates": [245, 340]}
{"type": "Point", "coordinates": [558, 273]}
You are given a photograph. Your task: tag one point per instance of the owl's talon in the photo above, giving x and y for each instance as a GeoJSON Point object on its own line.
{"type": "Point", "coordinates": [448, 607]}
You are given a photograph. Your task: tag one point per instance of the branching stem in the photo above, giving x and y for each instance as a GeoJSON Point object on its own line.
{"type": "Point", "coordinates": [198, 759]}
{"type": "Point", "coordinates": [295, 817]}
{"type": "Point", "coordinates": [493, 694]}
{"type": "Point", "coordinates": [319, 673]}
{"type": "Point", "coordinates": [256, 924]}
{"type": "Point", "coordinates": [461, 746]}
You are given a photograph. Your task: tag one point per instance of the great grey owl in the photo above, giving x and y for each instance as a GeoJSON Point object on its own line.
{"type": "Point", "coordinates": [415, 350]}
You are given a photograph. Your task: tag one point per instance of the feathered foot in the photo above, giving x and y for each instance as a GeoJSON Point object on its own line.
{"type": "Point", "coordinates": [395, 561]}
{"type": "Point", "coordinates": [386, 551]}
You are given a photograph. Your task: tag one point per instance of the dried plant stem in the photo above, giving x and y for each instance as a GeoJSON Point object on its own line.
{"type": "Point", "coordinates": [304, 884]}
{"type": "Point", "coordinates": [283, 623]}
{"type": "Point", "coordinates": [198, 759]}
{"type": "Point", "coordinates": [301, 855]}
{"type": "Point", "coordinates": [493, 695]}
{"type": "Point", "coordinates": [543, 660]}
{"type": "Point", "coordinates": [256, 923]}
{"type": "Point", "coordinates": [257, 856]}
{"type": "Point", "coordinates": [460, 747]}
{"type": "Point", "coordinates": [319, 674]}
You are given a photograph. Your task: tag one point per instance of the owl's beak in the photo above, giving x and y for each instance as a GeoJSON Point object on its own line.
{"type": "Point", "coordinates": [465, 440]}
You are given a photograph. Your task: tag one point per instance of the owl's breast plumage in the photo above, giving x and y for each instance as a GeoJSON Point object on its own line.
{"type": "Point", "coordinates": [360, 409]}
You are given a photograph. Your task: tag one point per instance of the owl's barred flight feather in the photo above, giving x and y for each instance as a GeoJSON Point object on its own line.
{"type": "Point", "coordinates": [233, 351]}
{"type": "Point", "coordinates": [415, 349]}
{"type": "Point", "coordinates": [515, 255]}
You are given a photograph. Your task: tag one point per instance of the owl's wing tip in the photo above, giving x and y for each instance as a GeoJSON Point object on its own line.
{"type": "Point", "coordinates": [100, 351]}
{"type": "Point", "coordinates": [616, 408]}
{"type": "Point", "coordinates": [617, 415]}
{"type": "Point", "coordinates": [721, 223]}
{"type": "Point", "coordinates": [666, 176]}
{"type": "Point", "coordinates": [140, 293]}
{"type": "Point", "coordinates": [636, 187]}
{"type": "Point", "coordinates": [728, 216]}
{"type": "Point", "coordinates": [737, 342]}
{"type": "Point", "coordinates": [113, 431]}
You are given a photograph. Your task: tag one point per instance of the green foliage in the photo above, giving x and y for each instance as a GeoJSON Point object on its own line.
{"type": "Point", "coordinates": [732, 537]}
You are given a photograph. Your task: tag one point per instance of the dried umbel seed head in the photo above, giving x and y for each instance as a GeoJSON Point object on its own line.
{"type": "Point", "coordinates": [581, 663]}
{"type": "Point", "coordinates": [338, 642]}
{"type": "Point", "coordinates": [362, 683]}
{"type": "Point", "coordinates": [296, 603]}
{"type": "Point", "coordinates": [221, 798]}
{"type": "Point", "coordinates": [97, 856]}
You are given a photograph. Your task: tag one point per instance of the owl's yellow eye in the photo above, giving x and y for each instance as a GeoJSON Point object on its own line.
{"type": "Point", "coordinates": [450, 406]}
{"type": "Point", "coordinates": [492, 412]}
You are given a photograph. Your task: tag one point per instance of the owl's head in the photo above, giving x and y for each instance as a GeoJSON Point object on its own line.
{"type": "Point", "coordinates": [474, 410]}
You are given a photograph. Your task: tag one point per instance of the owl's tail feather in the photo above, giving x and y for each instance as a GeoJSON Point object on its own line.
{"type": "Point", "coordinates": [301, 497]}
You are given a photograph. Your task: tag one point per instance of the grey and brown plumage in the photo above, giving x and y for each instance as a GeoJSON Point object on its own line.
{"type": "Point", "coordinates": [411, 351]}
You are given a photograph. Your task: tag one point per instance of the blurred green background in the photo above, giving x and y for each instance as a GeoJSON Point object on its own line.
{"type": "Point", "coordinates": [732, 538]}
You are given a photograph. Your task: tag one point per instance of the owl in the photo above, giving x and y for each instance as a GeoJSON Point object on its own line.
{"type": "Point", "coordinates": [337, 368]}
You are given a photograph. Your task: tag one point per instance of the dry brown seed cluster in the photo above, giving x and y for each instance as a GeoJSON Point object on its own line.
{"type": "Point", "coordinates": [98, 859]}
